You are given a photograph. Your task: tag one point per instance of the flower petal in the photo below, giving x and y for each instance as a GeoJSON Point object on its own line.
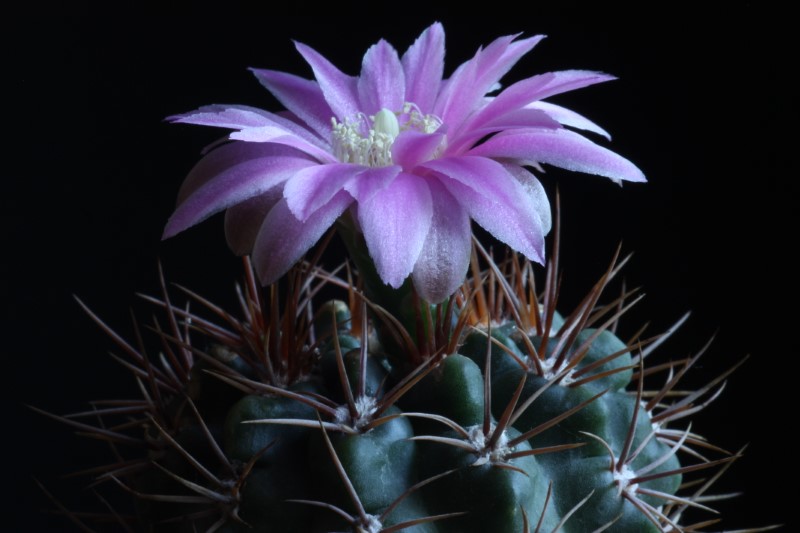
{"type": "Point", "coordinates": [300, 96]}
{"type": "Point", "coordinates": [282, 239]}
{"type": "Point", "coordinates": [229, 175]}
{"type": "Point", "coordinates": [537, 196]}
{"type": "Point", "coordinates": [382, 83]}
{"type": "Point", "coordinates": [243, 118]}
{"type": "Point", "coordinates": [312, 187]}
{"type": "Point", "coordinates": [442, 264]}
{"type": "Point", "coordinates": [257, 125]}
{"type": "Point", "coordinates": [464, 91]}
{"type": "Point", "coordinates": [235, 117]}
{"type": "Point", "coordinates": [243, 220]}
{"type": "Point", "coordinates": [395, 222]}
{"type": "Point", "coordinates": [495, 199]}
{"type": "Point", "coordinates": [486, 177]}
{"type": "Point", "coordinates": [561, 148]}
{"type": "Point", "coordinates": [533, 89]}
{"type": "Point", "coordinates": [520, 118]}
{"type": "Point", "coordinates": [569, 118]}
{"type": "Point", "coordinates": [412, 147]}
{"type": "Point", "coordinates": [364, 185]}
{"type": "Point", "coordinates": [423, 63]}
{"type": "Point", "coordinates": [338, 88]}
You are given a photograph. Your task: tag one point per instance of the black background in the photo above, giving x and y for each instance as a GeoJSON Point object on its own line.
{"type": "Point", "coordinates": [702, 106]}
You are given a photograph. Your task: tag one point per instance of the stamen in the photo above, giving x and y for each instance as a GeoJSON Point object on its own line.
{"type": "Point", "coordinates": [367, 140]}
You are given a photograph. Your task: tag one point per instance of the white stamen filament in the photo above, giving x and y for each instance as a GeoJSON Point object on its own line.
{"type": "Point", "coordinates": [374, 148]}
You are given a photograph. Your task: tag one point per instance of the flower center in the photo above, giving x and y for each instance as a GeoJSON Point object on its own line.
{"type": "Point", "coordinates": [367, 140]}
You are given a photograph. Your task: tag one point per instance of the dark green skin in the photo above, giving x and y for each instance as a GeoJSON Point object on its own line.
{"type": "Point", "coordinates": [454, 389]}
{"type": "Point", "coordinates": [494, 497]}
{"type": "Point", "coordinates": [605, 345]}
{"type": "Point", "coordinates": [380, 464]}
{"type": "Point", "coordinates": [332, 312]}
{"type": "Point", "coordinates": [212, 396]}
{"type": "Point", "coordinates": [411, 508]}
{"type": "Point", "coordinates": [264, 494]}
{"type": "Point", "coordinates": [605, 505]}
{"type": "Point", "coordinates": [244, 441]}
{"type": "Point", "coordinates": [475, 347]}
{"type": "Point", "coordinates": [553, 402]}
{"type": "Point", "coordinates": [374, 383]}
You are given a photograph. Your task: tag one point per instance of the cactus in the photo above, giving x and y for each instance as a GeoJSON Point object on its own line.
{"type": "Point", "coordinates": [501, 415]}
{"type": "Point", "coordinates": [417, 398]}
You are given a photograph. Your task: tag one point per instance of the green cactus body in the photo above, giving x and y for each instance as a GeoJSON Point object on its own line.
{"type": "Point", "coordinates": [495, 494]}
{"type": "Point", "coordinates": [380, 464]}
{"type": "Point", "coordinates": [266, 442]}
{"type": "Point", "coordinates": [360, 440]}
{"type": "Point", "coordinates": [454, 389]}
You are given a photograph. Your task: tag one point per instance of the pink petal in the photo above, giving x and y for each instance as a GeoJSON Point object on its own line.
{"type": "Point", "coordinates": [300, 96]}
{"type": "Point", "coordinates": [235, 117]}
{"type": "Point", "coordinates": [364, 185]}
{"type": "Point", "coordinates": [395, 222]}
{"type": "Point", "coordinates": [537, 196]}
{"type": "Point", "coordinates": [339, 89]}
{"type": "Point", "coordinates": [442, 264]}
{"type": "Point", "coordinates": [520, 118]}
{"type": "Point", "coordinates": [257, 125]}
{"type": "Point", "coordinates": [569, 118]}
{"type": "Point", "coordinates": [229, 175]}
{"type": "Point", "coordinates": [533, 89]}
{"type": "Point", "coordinates": [486, 177]}
{"type": "Point", "coordinates": [312, 187]}
{"type": "Point", "coordinates": [240, 117]}
{"type": "Point", "coordinates": [465, 90]}
{"type": "Point", "coordinates": [562, 148]}
{"type": "Point", "coordinates": [227, 154]}
{"type": "Point", "coordinates": [495, 199]}
{"type": "Point", "coordinates": [243, 220]}
{"type": "Point", "coordinates": [282, 239]}
{"type": "Point", "coordinates": [423, 63]}
{"type": "Point", "coordinates": [412, 147]}
{"type": "Point", "coordinates": [382, 83]}
{"type": "Point", "coordinates": [270, 134]}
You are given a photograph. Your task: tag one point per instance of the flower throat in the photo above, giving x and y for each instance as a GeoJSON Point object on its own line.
{"type": "Point", "coordinates": [367, 140]}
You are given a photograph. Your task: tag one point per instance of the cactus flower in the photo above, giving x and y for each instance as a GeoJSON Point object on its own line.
{"type": "Point", "coordinates": [413, 155]}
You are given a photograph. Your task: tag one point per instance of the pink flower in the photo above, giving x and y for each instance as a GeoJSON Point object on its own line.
{"type": "Point", "coordinates": [413, 155]}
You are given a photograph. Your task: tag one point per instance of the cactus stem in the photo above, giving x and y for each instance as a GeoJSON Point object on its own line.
{"type": "Point", "coordinates": [351, 491]}
{"type": "Point", "coordinates": [651, 513]}
{"type": "Point", "coordinates": [572, 511]}
{"type": "Point", "coordinates": [545, 449]}
{"type": "Point", "coordinates": [553, 421]}
{"type": "Point", "coordinates": [365, 522]}
{"type": "Point", "coordinates": [544, 509]}
{"type": "Point", "coordinates": [487, 385]}
{"type": "Point", "coordinates": [624, 458]}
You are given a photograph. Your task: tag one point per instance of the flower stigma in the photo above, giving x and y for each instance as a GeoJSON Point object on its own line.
{"type": "Point", "coordinates": [367, 140]}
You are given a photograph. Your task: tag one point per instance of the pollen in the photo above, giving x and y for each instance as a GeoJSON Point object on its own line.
{"type": "Point", "coordinates": [367, 140]}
